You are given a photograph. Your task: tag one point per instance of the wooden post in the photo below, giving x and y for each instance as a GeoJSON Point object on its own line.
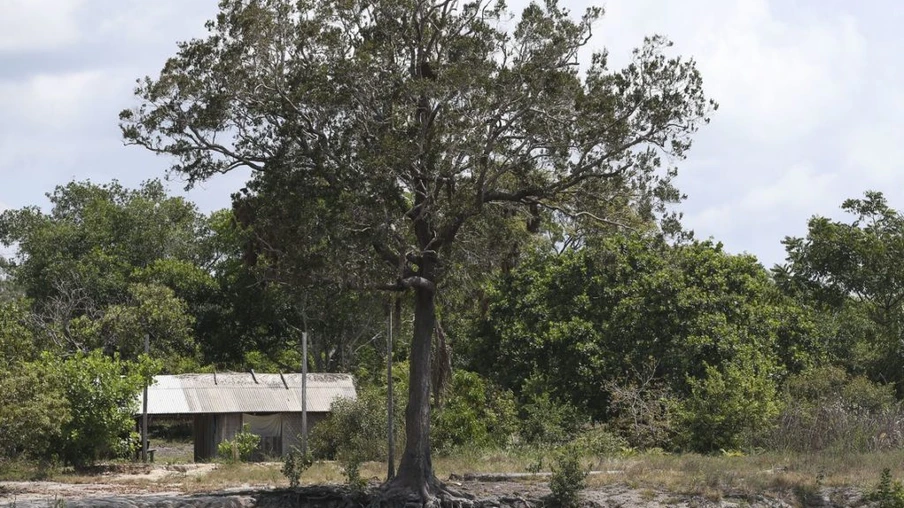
{"type": "Point", "coordinates": [304, 393]}
{"type": "Point", "coordinates": [144, 410]}
{"type": "Point", "coordinates": [390, 473]}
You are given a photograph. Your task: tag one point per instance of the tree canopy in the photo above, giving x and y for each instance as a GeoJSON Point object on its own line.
{"type": "Point", "coordinates": [585, 318]}
{"type": "Point", "coordinates": [853, 270]}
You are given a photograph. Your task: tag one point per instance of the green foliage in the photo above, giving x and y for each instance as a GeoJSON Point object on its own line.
{"type": "Point", "coordinates": [356, 429]}
{"type": "Point", "coordinates": [568, 478]}
{"type": "Point", "coordinates": [102, 396]}
{"type": "Point", "coordinates": [241, 447]}
{"type": "Point", "coordinates": [546, 421]}
{"type": "Point", "coordinates": [34, 410]}
{"type": "Point", "coordinates": [475, 414]}
{"type": "Point", "coordinates": [888, 493]}
{"type": "Point", "coordinates": [351, 468]}
{"type": "Point", "coordinates": [832, 385]}
{"type": "Point", "coordinates": [728, 406]}
{"type": "Point", "coordinates": [99, 394]}
{"type": "Point", "coordinates": [294, 464]}
{"type": "Point", "coordinates": [94, 237]}
{"type": "Point", "coordinates": [77, 408]}
{"type": "Point", "coordinates": [17, 342]}
{"type": "Point", "coordinates": [589, 317]}
{"type": "Point", "coordinates": [852, 271]}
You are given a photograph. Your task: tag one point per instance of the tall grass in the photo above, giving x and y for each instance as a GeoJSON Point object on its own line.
{"type": "Point", "coordinates": [837, 428]}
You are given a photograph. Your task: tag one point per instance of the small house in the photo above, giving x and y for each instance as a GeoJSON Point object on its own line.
{"type": "Point", "coordinates": [221, 403]}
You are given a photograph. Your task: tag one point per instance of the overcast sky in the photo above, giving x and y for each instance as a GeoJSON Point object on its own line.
{"type": "Point", "coordinates": [811, 95]}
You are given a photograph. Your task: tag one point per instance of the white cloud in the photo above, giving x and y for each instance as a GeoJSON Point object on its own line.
{"type": "Point", "coordinates": [874, 145]}
{"type": "Point", "coordinates": [55, 101]}
{"type": "Point", "coordinates": [29, 25]}
{"type": "Point", "coordinates": [797, 193]}
{"type": "Point", "coordinates": [758, 217]}
{"type": "Point", "coordinates": [777, 79]}
{"type": "Point", "coordinates": [160, 21]}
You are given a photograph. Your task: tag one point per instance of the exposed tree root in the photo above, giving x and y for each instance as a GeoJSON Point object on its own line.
{"type": "Point", "coordinates": [430, 494]}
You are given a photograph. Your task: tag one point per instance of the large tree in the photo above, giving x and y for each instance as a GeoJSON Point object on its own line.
{"type": "Point", "coordinates": [852, 271]}
{"type": "Point", "coordinates": [394, 126]}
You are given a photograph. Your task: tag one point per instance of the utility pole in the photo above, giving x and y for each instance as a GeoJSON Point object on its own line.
{"type": "Point", "coordinates": [390, 474]}
{"type": "Point", "coordinates": [144, 411]}
{"type": "Point", "coordinates": [304, 394]}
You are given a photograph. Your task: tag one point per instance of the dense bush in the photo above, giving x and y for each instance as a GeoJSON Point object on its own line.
{"type": "Point", "coordinates": [543, 419]}
{"type": "Point", "coordinates": [77, 408]}
{"type": "Point", "coordinates": [102, 396]}
{"type": "Point", "coordinates": [357, 428]}
{"type": "Point", "coordinates": [598, 314]}
{"type": "Point", "coordinates": [728, 407]}
{"type": "Point", "coordinates": [475, 414]}
{"type": "Point", "coordinates": [33, 411]}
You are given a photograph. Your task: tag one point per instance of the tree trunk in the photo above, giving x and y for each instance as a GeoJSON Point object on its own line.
{"type": "Point", "coordinates": [416, 467]}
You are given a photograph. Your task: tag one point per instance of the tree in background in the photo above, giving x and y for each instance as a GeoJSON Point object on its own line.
{"type": "Point", "coordinates": [98, 252]}
{"type": "Point", "coordinates": [852, 272]}
{"type": "Point", "coordinates": [95, 237]}
{"type": "Point", "coordinates": [384, 130]}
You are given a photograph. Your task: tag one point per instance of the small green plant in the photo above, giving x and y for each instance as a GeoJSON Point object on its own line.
{"type": "Point", "coordinates": [351, 465]}
{"type": "Point", "coordinates": [535, 466]}
{"type": "Point", "coordinates": [568, 478]}
{"type": "Point", "coordinates": [240, 448]}
{"type": "Point", "coordinates": [889, 493]}
{"type": "Point", "coordinates": [294, 465]}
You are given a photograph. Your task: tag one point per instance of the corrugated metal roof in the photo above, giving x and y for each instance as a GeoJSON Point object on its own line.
{"type": "Point", "coordinates": [239, 393]}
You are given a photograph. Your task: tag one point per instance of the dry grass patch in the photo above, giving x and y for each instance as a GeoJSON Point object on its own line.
{"type": "Point", "coordinates": [791, 476]}
{"type": "Point", "coordinates": [263, 474]}
{"type": "Point", "coordinates": [488, 461]}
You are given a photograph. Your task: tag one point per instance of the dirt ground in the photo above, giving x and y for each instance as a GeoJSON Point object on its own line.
{"type": "Point", "coordinates": [185, 486]}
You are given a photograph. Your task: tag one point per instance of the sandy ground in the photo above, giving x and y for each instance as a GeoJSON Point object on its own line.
{"type": "Point", "coordinates": [144, 480]}
{"type": "Point", "coordinates": [161, 485]}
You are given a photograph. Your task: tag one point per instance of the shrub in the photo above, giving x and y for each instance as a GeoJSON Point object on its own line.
{"type": "Point", "coordinates": [351, 467]}
{"type": "Point", "coordinates": [357, 426]}
{"type": "Point", "coordinates": [33, 412]}
{"type": "Point", "coordinates": [294, 465]}
{"type": "Point", "coordinates": [568, 478]}
{"type": "Point", "coordinates": [476, 414]}
{"type": "Point", "coordinates": [544, 420]}
{"type": "Point", "coordinates": [101, 392]}
{"type": "Point", "coordinates": [240, 448]}
{"type": "Point", "coordinates": [727, 407]}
